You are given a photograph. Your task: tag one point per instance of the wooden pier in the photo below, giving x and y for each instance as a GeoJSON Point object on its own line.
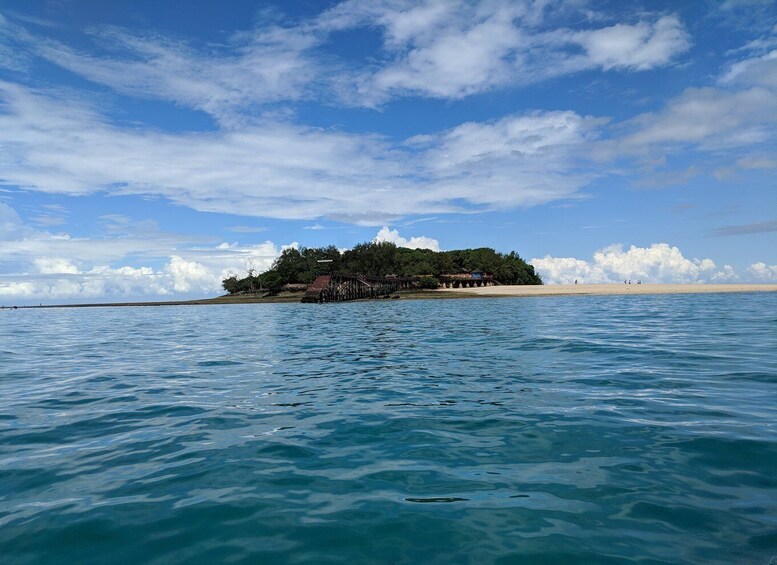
{"type": "Point", "coordinates": [339, 287]}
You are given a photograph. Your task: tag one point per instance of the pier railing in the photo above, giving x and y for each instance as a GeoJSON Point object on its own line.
{"type": "Point", "coordinates": [338, 287]}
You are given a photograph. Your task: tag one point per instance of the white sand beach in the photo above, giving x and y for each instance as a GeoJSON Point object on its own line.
{"type": "Point", "coordinates": [605, 289]}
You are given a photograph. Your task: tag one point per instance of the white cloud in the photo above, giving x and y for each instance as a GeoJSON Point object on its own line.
{"type": "Point", "coordinates": [640, 47]}
{"type": "Point", "coordinates": [513, 136]}
{"type": "Point", "coordinates": [456, 49]}
{"type": "Point", "coordinates": [739, 113]}
{"type": "Point", "coordinates": [435, 48]}
{"type": "Point", "coordinates": [725, 275]}
{"type": "Point", "coordinates": [186, 275]}
{"type": "Point", "coordinates": [38, 265]}
{"type": "Point", "coordinates": [708, 119]}
{"type": "Point", "coordinates": [659, 263]}
{"type": "Point", "coordinates": [420, 242]}
{"type": "Point", "coordinates": [454, 62]}
{"type": "Point", "coordinates": [762, 272]}
{"type": "Point", "coordinates": [272, 168]}
{"type": "Point", "coordinates": [755, 71]}
{"type": "Point", "coordinates": [280, 170]}
{"type": "Point", "coordinates": [196, 273]}
{"type": "Point", "coordinates": [266, 65]}
{"type": "Point", "coordinates": [13, 53]}
{"type": "Point", "coordinates": [286, 171]}
{"type": "Point", "coordinates": [54, 266]}
{"type": "Point", "coordinates": [566, 270]}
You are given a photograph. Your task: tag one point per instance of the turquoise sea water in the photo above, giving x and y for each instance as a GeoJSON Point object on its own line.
{"type": "Point", "coordinates": [534, 430]}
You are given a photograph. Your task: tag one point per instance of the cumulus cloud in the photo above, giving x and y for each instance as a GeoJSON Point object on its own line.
{"type": "Point", "coordinates": [725, 275]}
{"type": "Point", "coordinates": [659, 263]}
{"type": "Point", "coordinates": [762, 272]}
{"type": "Point", "coordinates": [54, 266]}
{"type": "Point", "coordinates": [419, 242]}
{"type": "Point", "coordinates": [38, 265]}
{"type": "Point", "coordinates": [195, 273]}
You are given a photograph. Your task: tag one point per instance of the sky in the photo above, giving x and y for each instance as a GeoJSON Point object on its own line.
{"type": "Point", "coordinates": [150, 149]}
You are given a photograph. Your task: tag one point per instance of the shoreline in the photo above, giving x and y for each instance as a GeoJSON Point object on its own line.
{"type": "Point", "coordinates": [609, 289]}
{"type": "Point", "coordinates": [504, 291]}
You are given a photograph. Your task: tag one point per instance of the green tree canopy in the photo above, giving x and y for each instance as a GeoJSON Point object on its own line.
{"type": "Point", "coordinates": [381, 259]}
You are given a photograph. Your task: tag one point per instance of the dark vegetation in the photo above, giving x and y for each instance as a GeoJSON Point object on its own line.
{"type": "Point", "coordinates": [301, 266]}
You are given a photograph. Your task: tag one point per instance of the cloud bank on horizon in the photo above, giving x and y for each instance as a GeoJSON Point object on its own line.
{"type": "Point", "coordinates": [534, 118]}
{"type": "Point", "coordinates": [197, 269]}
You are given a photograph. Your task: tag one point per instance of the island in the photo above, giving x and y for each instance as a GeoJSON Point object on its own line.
{"type": "Point", "coordinates": [380, 270]}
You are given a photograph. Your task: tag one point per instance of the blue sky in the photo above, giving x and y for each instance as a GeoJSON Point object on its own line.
{"type": "Point", "coordinates": [146, 150]}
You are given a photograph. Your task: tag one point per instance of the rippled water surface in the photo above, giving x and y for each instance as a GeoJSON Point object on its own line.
{"type": "Point", "coordinates": [528, 430]}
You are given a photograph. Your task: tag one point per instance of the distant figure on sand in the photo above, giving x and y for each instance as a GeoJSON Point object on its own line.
{"type": "Point", "coordinates": [575, 281]}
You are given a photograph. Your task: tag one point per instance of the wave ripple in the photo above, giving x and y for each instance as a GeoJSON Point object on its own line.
{"type": "Point", "coordinates": [569, 429]}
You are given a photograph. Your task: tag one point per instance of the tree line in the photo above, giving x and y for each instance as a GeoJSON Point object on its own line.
{"type": "Point", "coordinates": [380, 259]}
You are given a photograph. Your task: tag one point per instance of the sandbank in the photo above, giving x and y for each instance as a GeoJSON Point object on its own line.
{"type": "Point", "coordinates": [488, 291]}
{"type": "Point", "coordinates": [608, 289]}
